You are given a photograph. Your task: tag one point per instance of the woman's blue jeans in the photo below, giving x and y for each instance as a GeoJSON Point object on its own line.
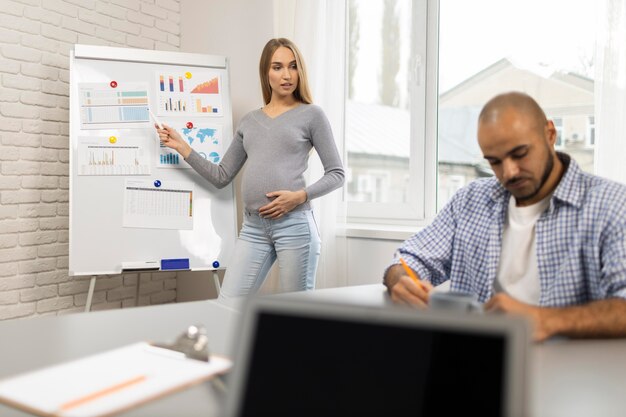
{"type": "Point", "coordinates": [292, 239]}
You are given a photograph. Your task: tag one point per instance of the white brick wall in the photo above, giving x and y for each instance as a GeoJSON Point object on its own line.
{"type": "Point", "coordinates": [35, 39]}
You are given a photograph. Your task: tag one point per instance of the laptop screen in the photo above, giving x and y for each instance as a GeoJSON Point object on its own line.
{"type": "Point", "coordinates": [303, 365]}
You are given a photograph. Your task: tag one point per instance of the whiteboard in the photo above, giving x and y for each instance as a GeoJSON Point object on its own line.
{"type": "Point", "coordinates": [103, 236]}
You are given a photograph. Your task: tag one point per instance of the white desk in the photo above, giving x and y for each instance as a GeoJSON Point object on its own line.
{"type": "Point", "coordinates": [568, 378]}
{"type": "Point", "coordinates": [33, 343]}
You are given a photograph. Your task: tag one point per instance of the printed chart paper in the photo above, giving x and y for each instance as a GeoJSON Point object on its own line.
{"type": "Point", "coordinates": [127, 156]}
{"type": "Point", "coordinates": [189, 93]}
{"type": "Point", "coordinates": [105, 107]}
{"type": "Point", "coordinates": [203, 138]}
{"type": "Point", "coordinates": [156, 204]}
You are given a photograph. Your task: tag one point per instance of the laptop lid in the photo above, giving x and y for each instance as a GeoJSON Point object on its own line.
{"type": "Point", "coordinates": [305, 358]}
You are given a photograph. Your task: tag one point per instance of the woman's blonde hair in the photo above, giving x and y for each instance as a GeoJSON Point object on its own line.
{"type": "Point", "coordinates": [302, 92]}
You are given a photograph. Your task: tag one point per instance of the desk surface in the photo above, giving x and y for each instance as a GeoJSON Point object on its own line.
{"type": "Point", "coordinates": [567, 378]}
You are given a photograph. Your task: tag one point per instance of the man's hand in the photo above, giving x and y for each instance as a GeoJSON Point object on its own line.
{"type": "Point", "coordinates": [504, 303]}
{"type": "Point", "coordinates": [403, 290]}
{"type": "Point", "coordinates": [601, 318]}
{"type": "Point", "coordinates": [284, 201]}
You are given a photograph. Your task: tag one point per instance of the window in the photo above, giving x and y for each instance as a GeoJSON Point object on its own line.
{"type": "Point", "coordinates": [386, 111]}
{"type": "Point", "coordinates": [558, 125]}
{"type": "Point", "coordinates": [372, 186]}
{"type": "Point", "coordinates": [418, 74]}
{"type": "Point", "coordinates": [487, 47]}
{"type": "Point", "coordinates": [591, 131]}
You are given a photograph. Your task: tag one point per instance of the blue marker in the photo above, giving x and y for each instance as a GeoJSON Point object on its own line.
{"type": "Point", "coordinates": [171, 264]}
{"type": "Point", "coordinates": [157, 183]}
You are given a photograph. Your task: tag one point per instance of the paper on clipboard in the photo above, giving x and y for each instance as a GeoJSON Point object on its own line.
{"type": "Point", "coordinates": [107, 383]}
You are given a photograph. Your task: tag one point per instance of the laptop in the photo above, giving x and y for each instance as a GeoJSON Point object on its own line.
{"type": "Point", "coordinates": [297, 357]}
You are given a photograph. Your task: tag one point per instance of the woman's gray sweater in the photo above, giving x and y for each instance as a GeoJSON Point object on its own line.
{"type": "Point", "coordinates": [277, 150]}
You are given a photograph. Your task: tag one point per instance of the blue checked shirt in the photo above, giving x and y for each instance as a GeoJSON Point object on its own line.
{"type": "Point", "coordinates": [580, 238]}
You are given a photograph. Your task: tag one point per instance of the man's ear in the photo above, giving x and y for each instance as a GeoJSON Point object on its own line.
{"type": "Point", "coordinates": [550, 132]}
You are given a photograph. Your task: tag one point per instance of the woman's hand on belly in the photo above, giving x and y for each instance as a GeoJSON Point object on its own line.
{"type": "Point", "coordinates": [283, 202]}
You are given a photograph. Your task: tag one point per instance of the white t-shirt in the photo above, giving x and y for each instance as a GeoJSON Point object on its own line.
{"type": "Point", "coordinates": [518, 273]}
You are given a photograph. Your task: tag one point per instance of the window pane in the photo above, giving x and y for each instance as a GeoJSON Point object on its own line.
{"type": "Point", "coordinates": [377, 107]}
{"type": "Point", "coordinates": [486, 47]}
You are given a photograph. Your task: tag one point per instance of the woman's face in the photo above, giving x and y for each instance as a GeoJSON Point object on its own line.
{"type": "Point", "coordinates": [283, 74]}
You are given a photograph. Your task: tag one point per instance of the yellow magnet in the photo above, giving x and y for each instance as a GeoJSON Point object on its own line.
{"type": "Point", "coordinates": [112, 139]}
{"type": "Point", "coordinates": [188, 75]}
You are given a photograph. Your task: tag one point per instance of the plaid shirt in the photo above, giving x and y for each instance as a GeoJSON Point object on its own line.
{"type": "Point", "coordinates": [581, 243]}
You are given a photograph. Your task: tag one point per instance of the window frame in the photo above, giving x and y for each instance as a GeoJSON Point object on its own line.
{"type": "Point", "coordinates": [423, 90]}
{"type": "Point", "coordinates": [591, 132]}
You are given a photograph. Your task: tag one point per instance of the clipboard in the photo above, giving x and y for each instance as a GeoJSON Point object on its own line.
{"type": "Point", "coordinates": [114, 381]}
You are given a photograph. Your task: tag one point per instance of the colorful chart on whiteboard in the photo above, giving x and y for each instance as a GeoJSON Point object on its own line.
{"type": "Point", "coordinates": [113, 155]}
{"type": "Point", "coordinates": [113, 105]}
{"type": "Point", "coordinates": [189, 93]}
{"type": "Point", "coordinates": [204, 139]}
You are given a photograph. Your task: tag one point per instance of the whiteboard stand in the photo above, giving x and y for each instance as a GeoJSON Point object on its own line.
{"type": "Point", "coordinates": [216, 281]}
{"type": "Point", "coordinates": [92, 286]}
{"type": "Point", "coordinates": [137, 291]}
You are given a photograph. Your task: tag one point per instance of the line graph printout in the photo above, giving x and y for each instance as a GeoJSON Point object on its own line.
{"type": "Point", "coordinates": [105, 107]}
{"type": "Point", "coordinates": [127, 156]}
{"type": "Point", "coordinates": [158, 204]}
{"type": "Point", "coordinates": [189, 93]}
{"type": "Point", "coordinates": [203, 138]}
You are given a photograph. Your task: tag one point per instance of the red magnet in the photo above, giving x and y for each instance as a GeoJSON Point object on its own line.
{"type": "Point", "coordinates": [189, 125]}
{"type": "Point", "coordinates": [113, 84]}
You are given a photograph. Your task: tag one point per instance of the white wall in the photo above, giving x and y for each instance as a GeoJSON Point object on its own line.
{"type": "Point", "coordinates": [239, 29]}
{"type": "Point", "coordinates": [368, 259]}
{"type": "Point", "coordinates": [35, 40]}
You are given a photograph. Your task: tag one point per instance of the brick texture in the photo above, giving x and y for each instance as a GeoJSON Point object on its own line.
{"type": "Point", "coordinates": [35, 42]}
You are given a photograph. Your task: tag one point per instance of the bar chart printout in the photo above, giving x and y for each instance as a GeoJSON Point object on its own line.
{"type": "Point", "coordinates": [192, 93]}
{"type": "Point", "coordinates": [169, 158]}
{"type": "Point", "coordinates": [102, 106]}
{"type": "Point", "coordinates": [96, 156]}
{"type": "Point", "coordinates": [166, 206]}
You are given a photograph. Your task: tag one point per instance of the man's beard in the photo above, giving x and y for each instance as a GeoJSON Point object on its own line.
{"type": "Point", "coordinates": [544, 177]}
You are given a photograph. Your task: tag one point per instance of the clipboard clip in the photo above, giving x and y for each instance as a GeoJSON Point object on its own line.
{"type": "Point", "coordinates": [193, 343]}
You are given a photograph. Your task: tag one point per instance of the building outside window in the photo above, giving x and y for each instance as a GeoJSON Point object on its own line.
{"type": "Point", "coordinates": [481, 48]}
{"type": "Point", "coordinates": [385, 109]}
{"type": "Point", "coordinates": [591, 131]}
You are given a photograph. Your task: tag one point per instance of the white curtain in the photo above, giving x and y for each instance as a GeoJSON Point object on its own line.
{"type": "Point", "coordinates": [318, 28]}
{"type": "Point", "coordinates": [610, 90]}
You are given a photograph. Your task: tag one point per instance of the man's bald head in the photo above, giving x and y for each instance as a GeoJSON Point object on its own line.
{"type": "Point", "coordinates": [518, 142]}
{"type": "Point", "coordinates": [522, 103]}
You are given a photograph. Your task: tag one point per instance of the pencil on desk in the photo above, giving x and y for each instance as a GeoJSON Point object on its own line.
{"type": "Point", "coordinates": [411, 274]}
{"type": "Point", "coordinates": [98, 394]}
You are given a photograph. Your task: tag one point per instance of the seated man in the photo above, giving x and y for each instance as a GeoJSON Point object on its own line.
{"type": "Point", "coordinates": [542, 239]}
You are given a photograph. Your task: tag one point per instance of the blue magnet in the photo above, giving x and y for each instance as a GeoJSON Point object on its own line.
{"type": "Point", "coordinates": [157, 183]}
{"type": "Point", "coordinates": [216, 264]}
